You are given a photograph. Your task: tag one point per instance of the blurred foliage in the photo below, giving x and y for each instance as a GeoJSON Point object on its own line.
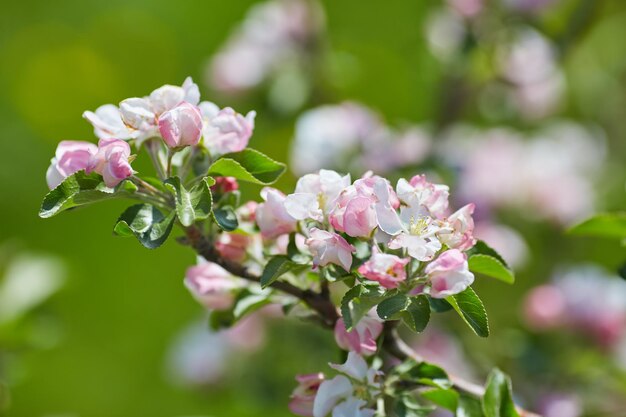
{"type": "Point", "coordinates": [122, 304]}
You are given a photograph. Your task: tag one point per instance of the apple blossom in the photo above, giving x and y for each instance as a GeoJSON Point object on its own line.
{"type": "Point", "coordinates": [70, 157]}
{"type": "Point", "coordinates": [329, 248]}
{"type": "Point", "coordinates": [419, 192]}
{"type": "Point", "coordinates": [181, 126]}
{"type": "Point", "coordinates": [107, 123]}
{"type": "Point", "coordinates": [232, 246]}
{"type": "Point", "coordinates": [388, 270]}
{"type": "Point", "coordinates": [272, 217]}
{"type": "Point", "coordinates": [225, 130]}
{"type": "Point", "coordinates": [449, 274]}
{"type": "Point", "coordinates": [111, 161]}
{"type": "Point", "coordinates": [362, 338]}
{"type": "Point", "coordinates": [353, 407]}
{"type": "Point", "coordinates": [225, 185]}
{"type": "Point", "coordinates": [461, 237]}
{"type": "Point", "coordinates": [303, 396]}
{"type": "Point", "coordinates": [315, 194]}
{"type": "Point", "coordinates": [211, 285]}
{"type": "Point", "coordinates": [329, 393]}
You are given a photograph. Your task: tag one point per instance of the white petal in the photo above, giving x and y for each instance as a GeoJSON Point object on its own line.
{"type": "Point", "coordinates": [355, 366]}
{"type": "Point", "coordinates": [387, 216]}
{"type": "Point", "coordinates": [330, 393]}
{"type": "Point", "coordinates": [302, 206]}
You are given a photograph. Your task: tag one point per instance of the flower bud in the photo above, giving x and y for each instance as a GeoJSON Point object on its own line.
{"type": "Point", "coordinates": [362, 338]}
{"type": "Point", "coordinates": [225, 185]}
{"type": "Point", "coordinates": [304, 395]}
{"type": "Point", "coordinates": [181, 126]}
{"type": "Point", "coordinates": [449, 274]}
{"type": "Point", "coordinates": [226, 130]}
{"type": "Point", "coordinates": [329, 248]}
{"type": "Point", "coordinates": [271, 216]}
{"type": "Point", "coordinates": [211, 285]}
{"type": "Point", "coordinates": [70, 157]}
{"type": "Point", "coordinates": [111, 161]}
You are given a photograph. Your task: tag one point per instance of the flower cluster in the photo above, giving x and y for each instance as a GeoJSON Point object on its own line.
{"type": "Point", "coordinates": [173, 115]}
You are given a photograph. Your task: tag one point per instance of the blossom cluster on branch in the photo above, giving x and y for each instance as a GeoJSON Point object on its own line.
{"type": "Point", "coordinates": [361, 257]}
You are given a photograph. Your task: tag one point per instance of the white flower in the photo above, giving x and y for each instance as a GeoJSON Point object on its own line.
{"type": "Point", "coordinates": [352, 407]}
{"type": "Point", "coordinates": [315, 194]}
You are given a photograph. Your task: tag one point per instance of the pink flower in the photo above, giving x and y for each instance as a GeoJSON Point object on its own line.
{"type": "Point", "coordinates": [70, 157]}
{"type": "Point", "coordinates": [462, 225]}
{"type": "Point", "coordinates": [225, 185]}
{"type": "Point", "coordinates": [232, 246]}
{"type": "Point", "coordinates": [388, 270]}
{"type": "Point", "coordinates": [303, 396]}
{"type": "Point", "coordinates": [362, 338]}
{"type": "Point", "coordinates": [419, 192]}
{"type": "Point", "coordinates": [111, 161]}
{"type": "Point", "coordinates": [315, 194]}
{"type": "Point", "coordinates": [271, 216]}
{"type": "Point", "coordinates": [226, 130]}
{"type": "Point", "coordinates": [181, 126]}
{"type": "Point", "coordinates": [545, 307]}
{"type": "Point", "coordinates": [329, 248]}
{"type": "Point", "coordinates": [247, 212]}
{"type": "Point", "coordinates": [449, 274]}
{"type": "Point", "coordinates": [211, 285]}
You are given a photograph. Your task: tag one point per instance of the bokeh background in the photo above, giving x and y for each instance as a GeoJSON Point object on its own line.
{"type": "Point", "coordinates": [518, 104]}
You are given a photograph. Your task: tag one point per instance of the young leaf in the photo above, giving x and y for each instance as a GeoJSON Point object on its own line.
{"type": "Point", "coordinates": [249, 301]}
{"type": "Point", "coordinates": [498, 398]}
{"type": "Point", "coordinates": [424, 373]}
{"type": "Point", "coordinates": [226, 218]}
{"type": "Point", "coordinates": [81, 189]}
{"type": "Point", "coordinates": [472, 310]}
{"type": "Point", "coordinates": [446, 398]}
{"type": "Point", "coordinates": [192, 205]}
{"type": "Point", "coordinates": [417, 314]}
{"type": "Point", "coordinates": [491, 267]}
{"type": "Point", "coordinates": [468, 407]}
{"type": "Point", "coordinates": [390, 308]}
{"type": "Point", "coordinates": [147, 223]}
{"type": "Point", "coordinates": [609, 225]}
{"type": "Point", "coordinates": [276, 267]}
{"type": "Point", "coordinates": [248, 165]}
{"type": "Point", "coordinates": [481, 248]}
{"type": "Point", "coordinates": [358, 301]}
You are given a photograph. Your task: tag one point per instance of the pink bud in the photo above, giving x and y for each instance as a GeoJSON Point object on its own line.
{"type": "Point", "coordinates": [225, 185]}
{"type": "Point", "coordinates": [181, 126]}
{"type": "Point", "coordinates": [232, 246]}
{"type": "Point", "coordinates": [362, 338]}
{"type": "Point", "coordinates": [111, 161]}
{"type": "Point", "coordinates": [70, 157]}
{"type": "Point", "coordinates": [272, 217]}
{"type": "Point", "coordinates": [304, 395]}
{"type": "Point", "coordinates": [228, 131]}
{"type": "Point", "coordinates": [329, 248]}
{"type": "Point", "coordinates": [449, 274]}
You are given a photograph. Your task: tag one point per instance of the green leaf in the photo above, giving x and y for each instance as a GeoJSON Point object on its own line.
{"type": "Point", "coordinates": [248, 165]}
{"type": "Point", "coordinates": [423, 373]}
{"type": "Point", "coordinates": [491, 267]}
{"type": "Point", "coordinates": [80, 189]}
{"type": "Point", "coordinates": [249, 301]}
{"type": "Point", "coordinates": [406, 406]}
{"type": "Point", "coordinates": [146, 223]}
{"type": "Point", "coordinates": [358, 301]}
{"type": "Point", "coordinates": [278, 266]}
{"type": "Point", "coordinates": [498, 398]}
{"type": "Point", "coordinates": [226, 218]}
{"type": "Point", "coordinates": [481, 248]}
{"type": "Point", "coordinates": [446, 398]}
{"type": "Point", "coordinates": [609, 225]}
{"type": "Point", "coordinates": [391, 307]}
{"type": "Point", "coordinates": [472, 310]}
{"type": "Point", "coordinates": [220, 319]}
{"type": "Point", "coordinates": [468, 407]}
{"type": "Point", "coordinates": [417, 314]}
{"type": "Point", "coordinates": [192, 205]}
{"type": "Point", "coordinates": [439, 305]}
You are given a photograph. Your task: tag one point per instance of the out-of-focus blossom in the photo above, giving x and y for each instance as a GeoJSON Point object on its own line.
{"type": "Point", "coordinates": [232, 246]}
{"type": "Point", "coordinates": [329, 248]}
{"type": "Point", "coordinates": [303, 396]}
{"type": "Point", "coordinates": [584, 300]}
{"type": "Point", "coordinates": [467, 8]}
{"type": "Point", "coordinates": [362, 338]}
{"type": "Point", "coordinates": [445, 32]}
{"type": "Point", "coordinates": [353, 407]}
{"type": "Point", "coordinates": [419, 192]}
{"type": "Point", "coordinates": [560, 405]}
{"type": "Point", "coordinates": [529, 5]}
{"type": "Point", "coordinates": [350, 134]}
{"type": "Point", "coordinates": [272, 34]}
{"type": "Point", "coordinates": [505, 240]}
{"type": "Point", "coordinates": [272, 217]}
{"type": "Point", "coordinates": [211, 285]}
{"type": "Point", "coordinates": [388, 270]}
{"type": "Point", "coordinates": [181, 125]}
{"type": "Point", "coordinates": [315, 194]}
{"type": "Point", "coordinates": [500, 168]}
{"type": "Point", "coordinates": [111, 161]}
{"type": "Point", "coordinates": [449, 274]}
{"type": "Point", "coordinates": [462, 225]}
{"type": "Point", "coordinates": [225, 130]}
{"type": "Point", "coordinates": [70, 157]}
